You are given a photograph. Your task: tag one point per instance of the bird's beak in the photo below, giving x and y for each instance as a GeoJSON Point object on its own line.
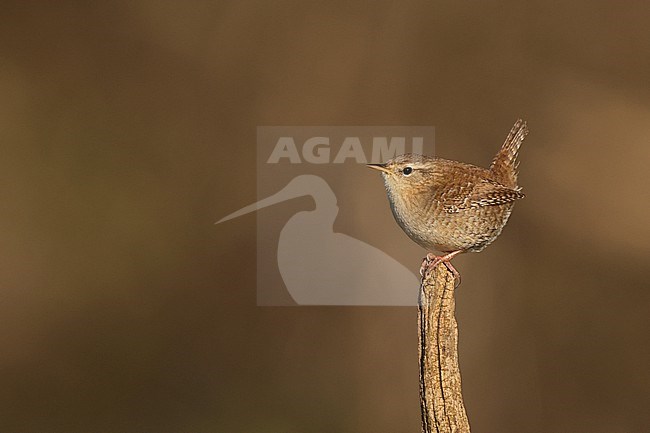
{"type": "Point", "coordinates": [380, 167]}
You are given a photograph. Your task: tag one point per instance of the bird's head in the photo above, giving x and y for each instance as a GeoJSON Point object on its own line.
{"type": "Point", "coordinates": [408, 173]}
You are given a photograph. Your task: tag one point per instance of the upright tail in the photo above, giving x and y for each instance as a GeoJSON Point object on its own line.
{"type": "Point", "coordinates": [504, 166]}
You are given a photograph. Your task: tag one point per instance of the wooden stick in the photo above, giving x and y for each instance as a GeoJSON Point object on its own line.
{"type": "Point", "coordinates": [441, 398]}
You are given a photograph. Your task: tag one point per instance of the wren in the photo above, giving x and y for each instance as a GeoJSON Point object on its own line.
{"type": "Point", "coordinates": [450, 206]}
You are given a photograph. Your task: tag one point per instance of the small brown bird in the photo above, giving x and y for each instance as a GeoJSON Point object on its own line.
{"type": "Point", "coordinates": [450, 206]}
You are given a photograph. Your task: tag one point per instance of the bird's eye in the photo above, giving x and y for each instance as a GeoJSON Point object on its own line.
{"type": "Point", "coordinates": [407, 171]}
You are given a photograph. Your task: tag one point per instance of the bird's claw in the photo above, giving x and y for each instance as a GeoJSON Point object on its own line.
{"type": "Point", "coordinates": [431, 261]}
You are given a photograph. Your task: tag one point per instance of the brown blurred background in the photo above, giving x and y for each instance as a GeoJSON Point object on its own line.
{"type": "Point", "coordinates": [128, 128]}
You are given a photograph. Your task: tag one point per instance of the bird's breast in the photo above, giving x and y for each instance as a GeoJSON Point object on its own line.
{"type": "Point", "coordinates": [436, 228]}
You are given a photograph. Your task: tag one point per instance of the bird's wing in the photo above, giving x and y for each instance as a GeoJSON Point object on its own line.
{"type": "Point", "coordinates": [484, 193]}
{"type": "Point", "coordinates": [493, 194]}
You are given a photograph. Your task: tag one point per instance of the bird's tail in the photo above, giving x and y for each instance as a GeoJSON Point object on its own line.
{"type": "Point", "coordinates": [504, 166]}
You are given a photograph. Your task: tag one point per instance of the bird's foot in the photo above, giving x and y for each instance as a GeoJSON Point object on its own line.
{"type": "Point", "coordinates": [431, 261]}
